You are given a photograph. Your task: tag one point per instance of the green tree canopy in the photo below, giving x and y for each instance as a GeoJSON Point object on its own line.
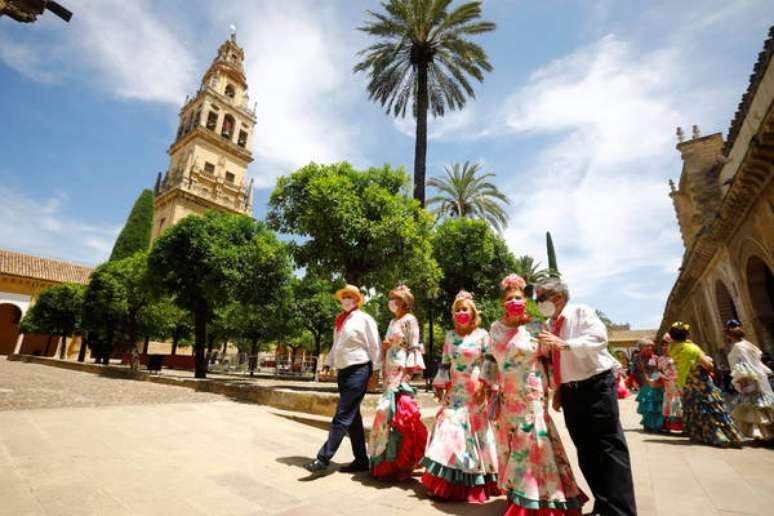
{"type": "Point", "coordinates": [207, 261]}
{"type": "Point", "coordinates": [465, 192]}
{"type": "Point", "coordinates": [472, 257]}
{"type": "Point", "coordinates": [115, 297]}
{"type": "Point", "coordinates": [317, 308]}
{"type": "Point", "coordinates": [137, 231]}
{"type": "Point", "coordinates": [357, 225]}
{"type": "Point", "coordinates": [423, 58]}
{"type": "Point", "coordinates": [57, 311]}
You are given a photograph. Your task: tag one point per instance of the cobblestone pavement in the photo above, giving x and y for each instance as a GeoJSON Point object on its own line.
{"type": "Point", "coordinates": [33, 386]}
{"type": "Point", "coordinates": [141, 453]}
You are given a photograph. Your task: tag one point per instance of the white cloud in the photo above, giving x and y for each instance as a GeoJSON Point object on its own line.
{"type": "Point", "coordinates": [24, 60]}
{"type": "Point", "coordinates": [136, 51]}
{"type": "Point", "coordinates": [600, 186]}
{"type": "Point", "coordinates": [299, 68]}
{"type": "Point", "coordinates": [43, 227]}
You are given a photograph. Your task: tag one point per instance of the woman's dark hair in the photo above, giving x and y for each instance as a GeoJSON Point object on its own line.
{"type": "Point", "coordinates": [678, 334]}
{"type": "Point", "coordinates": [736, 332]}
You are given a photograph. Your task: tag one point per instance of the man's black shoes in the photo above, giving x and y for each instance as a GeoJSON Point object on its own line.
{"type": "Point", "coordinates": [316, 467]}
{"type": "Point", "coordinates": [354, 467]}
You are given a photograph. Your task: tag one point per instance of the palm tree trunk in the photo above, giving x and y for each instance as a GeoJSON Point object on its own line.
{"type": "Point", "coordinates": [420, 149]}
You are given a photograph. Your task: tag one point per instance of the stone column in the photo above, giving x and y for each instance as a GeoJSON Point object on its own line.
{"type": "Point", "coordinates": [19, 340]}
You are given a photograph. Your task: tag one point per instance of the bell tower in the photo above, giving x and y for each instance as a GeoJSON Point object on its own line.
{"type": "Point", "coordinates": [208, 159]}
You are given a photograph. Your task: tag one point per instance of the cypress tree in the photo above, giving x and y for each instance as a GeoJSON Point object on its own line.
{"type": "Point", "coordinates": [137, 231]}
{"type": "Point", "coordinates": [552, 267]}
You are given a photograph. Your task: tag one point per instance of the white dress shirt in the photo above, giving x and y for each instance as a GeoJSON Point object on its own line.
{"type": "Point", "coordinates": [356, 343]}
{"type": "Point", "coordinates": [586, 337]}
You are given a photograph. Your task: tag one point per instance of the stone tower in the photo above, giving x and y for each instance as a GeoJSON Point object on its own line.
{"type": "Point", "coordinates": [697, 196]}
{"type": "Point", "coordinates": [208, 159]}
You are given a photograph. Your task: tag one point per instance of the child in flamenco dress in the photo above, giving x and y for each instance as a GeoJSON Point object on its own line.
{"type": "Point", "coordinates": [704, 416]}
{"type": "Point", "coordinates": [673, 396]}
{"type": "Point", "coordinates": [754, 405]}
{"type": "Point", "coordinates": [398, 437]}
{"type": "Point", "coordinates": [650, 399]}
{"type": "Point", "coordinates": [533, 469]}
{"type": "Point", "coordinates": [461, 459]}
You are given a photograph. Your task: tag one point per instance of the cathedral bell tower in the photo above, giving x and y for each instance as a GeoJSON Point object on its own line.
{"type": "Point", "coordinates": [209, 157]}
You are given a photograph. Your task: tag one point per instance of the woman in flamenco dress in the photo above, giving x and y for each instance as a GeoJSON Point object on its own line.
{"type": "Point", "coordinates": [398, 437]}
{"type": "Point", "coordinates": [533, 469]}
{"type": "Point", "coordinates": [704, 416]}
{"type": "Point", "coordinates": [461, 459]}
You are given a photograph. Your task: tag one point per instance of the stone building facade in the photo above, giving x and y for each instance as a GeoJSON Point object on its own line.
{"type": "Point", "coordinates": [208, 159]}
{"type": "Point", "coordinates": [725, 209]}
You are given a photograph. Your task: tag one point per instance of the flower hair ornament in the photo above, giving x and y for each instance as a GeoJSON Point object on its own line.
{"type": "Point", "coordinates": [680, 325]}
{"type": "Point", "coordinates": [401, 287]}
{"type": "Point", "coordinates": [463, 294]}
{"type": "Point", "coordinates": [512, 281]}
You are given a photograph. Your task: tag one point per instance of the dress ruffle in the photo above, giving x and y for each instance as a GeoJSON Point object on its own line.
{"type": "Point", "coordinates": [704, 415]}
{"type": "Point", "coordinates": [406, 444]}
{"type": "Point", "coordinates": [456, 485]}
{"type": "Point", "coordinates": [650, 404]}
{"type": "Point", "coordinates": [520, 506]}
{"type": "Point", "coordinates": [515, 510]}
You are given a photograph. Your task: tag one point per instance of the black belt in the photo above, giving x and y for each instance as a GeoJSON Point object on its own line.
{"type": "Point", "coordinates": [588, 381]}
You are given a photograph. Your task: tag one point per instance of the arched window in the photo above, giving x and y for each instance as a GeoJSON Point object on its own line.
{"type": "Point", "coordinates": [230, 92]}
{"type": "Point", "coordinates": [228, 127]}
{"type": "Point", "coordinates": [760, 285]}
{"type": "Point", "coordinates": [212, 120]}
{"type": "Point", "coordinates": [242, 141]}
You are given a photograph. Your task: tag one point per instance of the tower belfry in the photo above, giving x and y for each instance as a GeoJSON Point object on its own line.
{"type": "Point", "coordinates": [208, 159]}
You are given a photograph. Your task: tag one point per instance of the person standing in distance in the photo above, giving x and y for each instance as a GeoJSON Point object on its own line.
{"type": "Point", "coordinates": [584, 369]}
{"type": "Point", "coordinates": [355, 352]}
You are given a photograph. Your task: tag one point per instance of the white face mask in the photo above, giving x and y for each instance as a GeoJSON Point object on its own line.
{"type": "Point", "coordinates": [393, 306]}
{"type": "Point", "coordinates": [546, 308]}
{"type": "Point", "coordinates": [348, 304]}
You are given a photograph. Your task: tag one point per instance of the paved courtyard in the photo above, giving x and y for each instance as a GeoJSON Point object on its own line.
{"type": "Point", "coordinates": [76, 443]}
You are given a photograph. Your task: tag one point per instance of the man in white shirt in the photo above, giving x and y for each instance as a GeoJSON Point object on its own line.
{"type": "Point", "coordinates": [355, 353]}
{"type": "Point", "coordinates": [588, 397]}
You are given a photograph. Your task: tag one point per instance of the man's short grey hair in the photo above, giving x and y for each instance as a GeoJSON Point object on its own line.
{"type": "Point", "coordinates": [555, 286]}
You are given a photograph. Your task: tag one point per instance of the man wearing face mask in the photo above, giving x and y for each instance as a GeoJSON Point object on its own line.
{"type": "Point", "coordinates": [584, 369]}
{"type": "Point", "coordinates": [355, 352]}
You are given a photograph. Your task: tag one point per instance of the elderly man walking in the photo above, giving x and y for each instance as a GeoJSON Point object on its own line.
{"type": "Point", "coordinates": [355, 352]}
{"type": "Point", "coordinates": [585, 370]}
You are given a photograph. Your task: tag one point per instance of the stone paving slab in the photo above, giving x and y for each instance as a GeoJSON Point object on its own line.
{"type": "Point", "coordinates": [219, 457]}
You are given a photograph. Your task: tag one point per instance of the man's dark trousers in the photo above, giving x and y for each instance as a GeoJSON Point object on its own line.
{"type": "Point", "coordinates": [591, 414]}
{"type": "Point", "coordinates": [353, 382]}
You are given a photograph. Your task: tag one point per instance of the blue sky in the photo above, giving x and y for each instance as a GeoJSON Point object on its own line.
{"type": "Point", "coordinates": [577, 119]}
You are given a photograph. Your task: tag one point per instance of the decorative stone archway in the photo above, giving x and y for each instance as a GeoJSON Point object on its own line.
{"type": "Point", "coordinates": [760, 285]}
{"type": "Point", "coordinates": [10, 316]}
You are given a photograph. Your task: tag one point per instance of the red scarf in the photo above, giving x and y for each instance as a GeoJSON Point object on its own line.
{"type": "Point", "coordinates": [341, 318]}
{"type": "Point", "coordinates": [557, 354]}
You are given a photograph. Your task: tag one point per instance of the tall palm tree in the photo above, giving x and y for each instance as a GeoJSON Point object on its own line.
{"type": "Point", "coordinates": [466, 193]}
{"type": "Point", "coordinates": [423, 58]}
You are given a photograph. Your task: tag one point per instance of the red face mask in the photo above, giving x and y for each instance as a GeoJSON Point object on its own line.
{"type": "Point", "coordinates": [515, 307]}
{"type": "Point", "coordinates": [463, 318]}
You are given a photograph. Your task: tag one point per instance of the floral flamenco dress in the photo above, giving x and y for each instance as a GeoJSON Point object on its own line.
{"type": "Point", "coordinates": [704, 416]}
{"type": "Point", "coordinates": [461, 459]}
{"type": "Point", "coordinates": [673, 397]}
{"type": "Point", "coordinates": [398, 437]}
{"type": "Point", "coordinates": [650, 403]}
{"type": "Point", "coordinates": [533, 468]}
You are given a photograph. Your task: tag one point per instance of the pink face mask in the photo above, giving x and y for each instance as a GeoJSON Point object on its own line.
{"type": "Point", "coordinates": [463, 318]}
{"type": "Point", "coordinates": [515, 307]}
